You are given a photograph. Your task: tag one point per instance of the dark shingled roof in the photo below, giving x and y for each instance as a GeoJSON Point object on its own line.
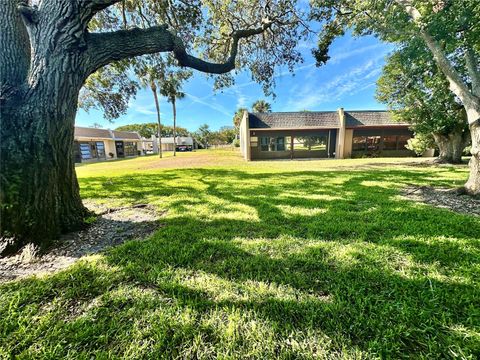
{"type": "Point", "coordinates": [320, 119]}
{"type": "Point", "coordinates": [293, 120]}
{"type": "Point", "coordinates": [369, 118]}
{"type": "Point", "coordinates": [92, 133]}
{"type": "Point", "coordinates": [105, 134]}
{"type": "Point", "coordinates": [127, 135]}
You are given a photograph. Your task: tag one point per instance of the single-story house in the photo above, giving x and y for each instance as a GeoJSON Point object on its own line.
{"type": "Point", "coordinates": [92, 144]}
{"type": "Point", "coordinates": [183, 143]}
{"type": "Point", "coordinates": [322, 134]}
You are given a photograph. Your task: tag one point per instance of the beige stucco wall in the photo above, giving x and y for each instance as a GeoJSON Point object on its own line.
{"type": "Point", "coordinates": [245, 137]}
{"type": "Point", "coordinates": [347, 146]}
{"type": "Point", "coordinates": [110, 148]}
{"type": "Point", "coordinates": [340, 148]}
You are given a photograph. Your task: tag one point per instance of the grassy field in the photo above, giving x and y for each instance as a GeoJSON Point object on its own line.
{"type": "Point", "coordinates": [262, 260]}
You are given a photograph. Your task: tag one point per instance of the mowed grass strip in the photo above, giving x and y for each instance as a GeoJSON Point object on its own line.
{"type": "Point", "coordinates": [262, 260]}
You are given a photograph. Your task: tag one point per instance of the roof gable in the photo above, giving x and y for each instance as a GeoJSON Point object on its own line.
{"type": "Point", "coordinates": [92, 133]}
{"type": "Point", "coordinates": [370, 118]}
{"type": "Point", "coordinates": [126, 135]}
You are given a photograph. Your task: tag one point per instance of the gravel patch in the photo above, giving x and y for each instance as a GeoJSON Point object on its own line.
{"type": "Point", "coordinates": [443, 198]}
{"type": "Point", "coordinates": [112, 227]}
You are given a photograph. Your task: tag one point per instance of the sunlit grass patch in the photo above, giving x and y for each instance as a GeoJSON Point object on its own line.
{"type": "Point", "coordinates": [262, 260]}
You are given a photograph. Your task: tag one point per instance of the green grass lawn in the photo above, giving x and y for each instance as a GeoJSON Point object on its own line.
{"type": "Point", "coordinates": [262, 260]}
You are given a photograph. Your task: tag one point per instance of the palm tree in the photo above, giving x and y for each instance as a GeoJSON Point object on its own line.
{"type": "Point", "coordinates": [261, 106]}
{"type": "Point", "coordinates": [149, 74]}
{"type": "Point", "coordinates": [153, 87]}
{"type": "Point", "coordinates": [171, 89]}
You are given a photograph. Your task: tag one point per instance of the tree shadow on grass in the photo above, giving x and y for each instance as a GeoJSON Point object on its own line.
{"type": "Point", "coordinates": [321, 264]}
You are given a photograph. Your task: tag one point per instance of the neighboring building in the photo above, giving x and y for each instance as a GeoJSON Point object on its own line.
{"type": "Point", "coordinates": [327, 134]}
{"type": "Point", "coordinates": [185, 143]}
{"type": "Point", "coordinates": [102, 144]}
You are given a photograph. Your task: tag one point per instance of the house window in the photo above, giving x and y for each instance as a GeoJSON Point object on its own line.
{"type": "Point", "coordinates": [100, 149]}
{"type": "Point", "coordinates": [310, 143]}
{"type": "Point", "coordinates": [390, 142]}
{"type": "Point", "coordinates": [280, 144]}
{"type": "Point", "coordinates": [130, 148]}
{"type": "Point", "coordinates": [85, 151]}
{"type": "Point", "coordinates": [92, 150]}
{"type": "Point", "coordinates": [264, 143]}
{"type": "Point", "coordinates": [272, 143]}
{"type": "Point", "coordinates": [373, 143]}
{"type": "Point", "coordinates": [359, 143]}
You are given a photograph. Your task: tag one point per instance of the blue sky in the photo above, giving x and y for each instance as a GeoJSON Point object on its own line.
{"type": "Point", "coordinates": [347, 80]}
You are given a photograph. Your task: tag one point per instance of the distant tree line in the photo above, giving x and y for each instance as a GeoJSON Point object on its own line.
{"type": "Point", "coordinates": [148, 129]}
{"type": "Point", "coordinates": [203, 134]}
{"type": "Point", "coordinates": [207, 137]}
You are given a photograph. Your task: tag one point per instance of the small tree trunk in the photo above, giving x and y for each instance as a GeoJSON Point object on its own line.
{"type": "Point", "coordinates": [153, 86]}
{"type": "Point", "coordinates": [174, 128]}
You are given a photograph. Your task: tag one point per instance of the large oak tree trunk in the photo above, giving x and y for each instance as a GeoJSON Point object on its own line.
{"type": "Point", "coordinates": [39, 193]}
{"type": "Point", "coordinates": [451, 146]}
{"type": "Point", "coordinates": [473, 184]}
{"type": "Point", "coordinates": [39, 189]}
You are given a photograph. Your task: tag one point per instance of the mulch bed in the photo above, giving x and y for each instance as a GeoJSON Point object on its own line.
{"type": "Point", "coordinates": [443, 198]}
{"type": "Point", "coordinates": [111, 228]}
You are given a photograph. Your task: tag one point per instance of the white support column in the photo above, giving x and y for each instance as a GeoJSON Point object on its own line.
{"type": "Point", "coordinates": [340, 148]}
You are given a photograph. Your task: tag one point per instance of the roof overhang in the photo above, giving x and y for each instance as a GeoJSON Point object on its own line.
{"type": "Point", "coordinates": [90, 138]}
{"type": "Point", "coordinates": [378, 126]}
{"type": "Point", "coordinates": [297, 128]}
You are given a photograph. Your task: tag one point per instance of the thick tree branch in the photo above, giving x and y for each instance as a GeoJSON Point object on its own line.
{"type": "Point", "coordinates": [187, 60]}
{"type": "Point", "coordinates": [15, 51]}
{"type": "Point", "coordinates": [473, 70]}
{"type": "Point", "coordinates": [29, 13]}
{"type": "Point", "coordinates": [104, 48]}
{"type": "Point", "coordinates": [99, 5]}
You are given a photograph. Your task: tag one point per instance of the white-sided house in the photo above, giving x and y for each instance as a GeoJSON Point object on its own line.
{"type": "Point", "coordinates": [184, 143]}
{"type": "Point", "coordinates": [103, 144]}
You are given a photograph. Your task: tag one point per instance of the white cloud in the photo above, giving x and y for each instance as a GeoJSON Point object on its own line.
{"type": "Point", "coordinates": [146, 110]}
{"type": "Point", "coordinates": [211, 105]}
{"type": "Point", "coordinates": [313, 93]}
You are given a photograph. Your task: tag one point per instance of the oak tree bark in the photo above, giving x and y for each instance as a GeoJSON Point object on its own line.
{"type": "Point", "coordinates": [451, 146]}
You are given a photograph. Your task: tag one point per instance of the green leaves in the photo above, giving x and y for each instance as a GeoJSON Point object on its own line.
{"type": "Point", "coordinates": [206, 29]}
{"type": "Point", "coordinates": [412, 85]}
{"type": "Point", "coordinates": [261, 106]}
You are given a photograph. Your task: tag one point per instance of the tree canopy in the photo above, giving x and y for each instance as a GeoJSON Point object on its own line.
{"type": "Point", "coordinates": [449, 29]}
{"type": "Point", "coordinates": [237, 118]}
{"type": "Point", "coordinates": [261, 106]}
{"type": "Point", "coordinates": [417, 91]}
{"type": "Point", "coordinates": [148, 129]}
{"type": "Point", "coordinates": [255, 35]}
{"type": "Point", "coordinates": [412, 85]}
